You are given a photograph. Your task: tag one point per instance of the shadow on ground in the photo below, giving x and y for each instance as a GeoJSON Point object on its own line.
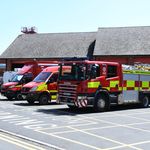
{"type": "Point", "coordinates": [25, 103]}
{"type": "Point", "coordinates": [73, 112]}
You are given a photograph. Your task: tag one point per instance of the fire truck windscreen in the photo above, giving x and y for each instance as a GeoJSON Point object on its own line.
{"type": "Point", "coordinates": [42, 77]}
{"type": "Point", "coordinates": [78, 71]}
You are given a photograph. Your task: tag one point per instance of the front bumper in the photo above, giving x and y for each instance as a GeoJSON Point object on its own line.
{"type": "Point", "coordinates": [9, 93]}
{"type": "Point", "coordinates": [31, 95]}
{"type": "Point", "coordinates": [80, 101]}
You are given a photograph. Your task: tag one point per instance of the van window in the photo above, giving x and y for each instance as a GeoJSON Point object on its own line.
{"type": "Point", "coordinates": [111, 71]}
{"type": "Point", "coordinates": [54, 77]}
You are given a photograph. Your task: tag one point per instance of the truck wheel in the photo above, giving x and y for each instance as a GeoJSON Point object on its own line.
{"type": "Point", "coordinates": [44, 99]}
{"type": "Point", "coordinates": [145, 102]}
{"type": "Point", "coordinates": [101, 103]}
{"type": "Point", "coordinates": [9, 97]}
{"type": "Point", "coordinates": [30, 101]}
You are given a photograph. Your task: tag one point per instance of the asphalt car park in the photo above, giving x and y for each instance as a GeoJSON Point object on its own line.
{"type": "Point", "coordinates": [58, 127]}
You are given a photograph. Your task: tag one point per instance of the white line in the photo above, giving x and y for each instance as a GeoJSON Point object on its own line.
{"type": "Point", "coordinates": [87, 145]}
{"type": "Point", "coordinates": [143, 119]}
{"type": "Point", "coordinates": [95, 128]}
{"type": "Point", "coordinates": [76, 125]}
{"type": "Point", "coordinates": [107, 139]}
{"type": "Point", "coordinates": [32, 140]}
{"type": "Point", "coordinates": [139, 143]}
{"type": "Point", "coordinates": [20, 143]}
{"type": "Point", "coordinates": [76, 142]}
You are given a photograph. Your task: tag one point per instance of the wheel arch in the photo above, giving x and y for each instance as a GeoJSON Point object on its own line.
{"type": "Point", "coordinates": [144, 99]}
{"type": "Point", "coordinates": [45, 93]}
{"type": "Point", "coordinates": [103, 92]}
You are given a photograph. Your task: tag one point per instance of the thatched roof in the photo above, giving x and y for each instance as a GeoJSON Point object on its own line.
{"type": "Point", "coordinates": [50, 45]}
{"type": "Point", "coordinates": [122, 41]}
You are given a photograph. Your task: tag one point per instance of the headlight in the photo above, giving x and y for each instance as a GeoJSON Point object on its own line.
{"type": "Point", "coordinates": [11, 86]}
{"type": "Point", "coordinates": [33, 89]}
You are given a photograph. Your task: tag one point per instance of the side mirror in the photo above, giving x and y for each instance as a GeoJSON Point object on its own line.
{"type": "Point", "coordinates": [9, 80]}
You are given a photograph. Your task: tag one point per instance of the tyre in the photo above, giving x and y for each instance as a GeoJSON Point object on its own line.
{"type": "Point", "coordinates": [18, 96]}
{"type": "Point", "coordinates": [44, 99]}
{"type": "Point", "coordinates": [9, 97]}
{"type": "Point", "coordinates": [30, 101]}
{"type": "Point", "coordinates": [101, 103]}
{"type": "Point", "coordinates": [144, 102]}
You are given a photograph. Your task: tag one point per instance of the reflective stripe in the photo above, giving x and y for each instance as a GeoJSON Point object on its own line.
{"type": "Point", "coordinates": [53, 91]}
{"type": "Point", "coordinates": [42, 87]}
{"type": "Point", "coordinates": [145, 84]}
{"type": "Point", "coordinates": [136, 72]}
{"type": "Point", "coordinates": [53, 96]}
{"type": "Point", "coordinates": [120, 88]}
{"type": "Point", "coordinates": [130, 83]}
{"type": "Point", "coordinates": [113, 83]}
{"type": "Point", "coordinates": [124, 88]}
{"type": "Point", "coordinates": [136, 88]}
{"type": "Point", "coordinates": [18, 86]}
{"type": "Point", "coordinates": [93, 84]}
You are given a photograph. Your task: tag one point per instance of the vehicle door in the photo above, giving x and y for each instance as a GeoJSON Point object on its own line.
{"type": "Point", "coordinates": [52, 85]}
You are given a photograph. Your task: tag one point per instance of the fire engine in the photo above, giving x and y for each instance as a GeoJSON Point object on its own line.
{"type": "Point", "coordinates": [26, 74]}
{"type": "Point", "coordinates": [43, 88]}
{"type": "Point", "coordinates": [100, 84]}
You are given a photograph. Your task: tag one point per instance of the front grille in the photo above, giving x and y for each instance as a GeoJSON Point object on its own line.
{"type": "Point", "coordinates": [25, 89]}
{"type": "Point", "coordinates": [67, 92]}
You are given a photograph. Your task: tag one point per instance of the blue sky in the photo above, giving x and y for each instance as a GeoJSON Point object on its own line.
{"type": "Point", "coordinates": [51, 16]}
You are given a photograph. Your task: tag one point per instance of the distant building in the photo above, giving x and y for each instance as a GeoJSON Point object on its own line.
{"type": "Point", "coordinates": [49, 46]}
{"type": "Point", "coordinates": [122, 44]}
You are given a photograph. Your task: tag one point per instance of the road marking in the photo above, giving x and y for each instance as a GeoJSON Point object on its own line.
{"type": "Point", "coordinates": [31, 140]}
{"type": "Point", "coordinates": [20, 143]}
{"type": "Point", "coordinates": [139, 143]}
{"type": "Point", "coordinates": [108, 139]}
{"type": "Point", "coordinates": [58, 127]}
{"type": "Point", "coordinates": [127, 126]}
{"type": "Point", "coordinates": [87, 145]}
{"type": "Point", "coordinates": [76, 142]}
{"type": "Point", "coordinates": [113, 124]}
{"type": "Point", "coordinates": [142, 119]}
{"type": "Point", "coordinates": [88, 129]}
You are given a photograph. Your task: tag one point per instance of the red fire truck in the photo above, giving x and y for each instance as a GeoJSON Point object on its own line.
{"type": "Point", "coordinates": [26, 74]}
{"type": "Point", "coordinates": [43, 88]}
{"type": "Point", "coordinates": [99, 84]}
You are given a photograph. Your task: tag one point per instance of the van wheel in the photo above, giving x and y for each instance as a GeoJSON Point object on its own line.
{"type": "Point", "coordinates": [101, 103]}
{"type": "Point", "coordinates": [18, 96]}
{"type": "Point", "coordinates": [9, 97]}
{"type": "Point", "coordinates": [44, 99]}
{"type": "Point", "coordinates": [145, 102]}
{"type": "Point", "coordinates": [30, 101]}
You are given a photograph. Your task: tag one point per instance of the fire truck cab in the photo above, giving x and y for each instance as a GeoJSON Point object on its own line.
{"type": "Point", "coordinates": [99, 84]}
